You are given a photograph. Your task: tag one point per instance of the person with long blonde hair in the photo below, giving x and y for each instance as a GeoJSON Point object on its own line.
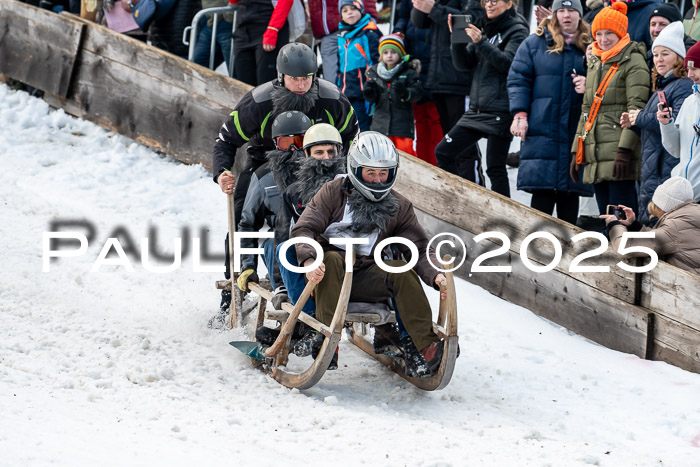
{"type": "Point", "coordinates": [545, 87]}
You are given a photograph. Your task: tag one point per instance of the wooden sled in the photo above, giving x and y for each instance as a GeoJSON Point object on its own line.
{"type": "Point", "coordinates": [276, 356]}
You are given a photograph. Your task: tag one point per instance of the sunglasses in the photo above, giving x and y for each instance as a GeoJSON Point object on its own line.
{"type": "Point", "coordinates": [285, 143]}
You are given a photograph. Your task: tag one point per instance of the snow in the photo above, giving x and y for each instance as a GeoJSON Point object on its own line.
{"type": "Point", "coordinates": [118, 368]}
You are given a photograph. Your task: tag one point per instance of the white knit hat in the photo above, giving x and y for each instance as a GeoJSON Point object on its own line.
{"type": "Point", "coordinates": [672, 38]}
{"type": "Point", "coordinates": [672, 193]}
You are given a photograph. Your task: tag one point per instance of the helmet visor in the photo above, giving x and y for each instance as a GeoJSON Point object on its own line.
{"type": "Point", "coordinates": [285, 143]}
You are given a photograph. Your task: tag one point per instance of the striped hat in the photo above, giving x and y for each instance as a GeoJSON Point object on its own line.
{"type": "Point", "coordinates": [392, 41]}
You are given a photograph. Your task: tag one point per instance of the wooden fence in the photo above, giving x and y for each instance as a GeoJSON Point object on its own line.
{"type": "Point", "coordinates": [177, 107]}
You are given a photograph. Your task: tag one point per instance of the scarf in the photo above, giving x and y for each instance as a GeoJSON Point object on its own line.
{"type": "Point", "coordinates": [312, 174]}
{"type": "Point", "coordinates": [606, 55]}
{"type": "Point", "coordinates": [283, 165]}
{"type": "Point", "coordinates": [496, 25]}
{"type": "Point", "coordinates": [284, 100]}
{"type": "Point", "coordinates": [385, 73]}
{"type": "Point", "coordinates": [368, 216]}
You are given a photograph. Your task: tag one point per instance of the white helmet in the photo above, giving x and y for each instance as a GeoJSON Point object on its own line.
{"type": "Point", "coordinates": [322, 133]}
{"type": "Point", "coordinates": [373, 150]}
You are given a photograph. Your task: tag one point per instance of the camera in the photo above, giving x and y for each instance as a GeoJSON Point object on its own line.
{"type": "Point", "coordinates": [617, 211]}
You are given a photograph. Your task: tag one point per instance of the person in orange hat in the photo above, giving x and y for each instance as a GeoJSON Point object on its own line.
{"type": "Point", "coordinates": [617, 81]}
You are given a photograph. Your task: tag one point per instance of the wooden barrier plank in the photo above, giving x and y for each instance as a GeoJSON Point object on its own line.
{"type": "Point", "coordinates": [674, 293]}
{"type": "Point", "coordinates": [553, 295]}
{"type": "Point", "coordinates": [677, 344]}
{"type": "Point", "coordinates": [38, 47]}
{"type": "Point", "coordinates": [477, 210]}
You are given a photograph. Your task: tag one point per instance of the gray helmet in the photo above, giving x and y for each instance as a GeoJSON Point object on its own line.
{"type": "Point", "coordinates": [296, 59]}
{"type": "Point", "coordinates": [372, 149]}
{"type": "Point", "coordinates": [290, 123]}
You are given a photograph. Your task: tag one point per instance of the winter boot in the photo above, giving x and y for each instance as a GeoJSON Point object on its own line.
{"type": "Point", "coordinates": [219, 321]}
{"type": "Point", "coordinates": [433, 355]}
{"type": "Point", "coordinates": [303, 347]}
{"type": "Point", "coordinates": [416, 366]}
{"type": "Point", "coordinates": [316, 348]}
{"type": "Point", "coordinates": [386, 340]}
{"type": "Point", "coordinates": [279, 297]}
{"type": "Point", "coordinates": [268, 336]}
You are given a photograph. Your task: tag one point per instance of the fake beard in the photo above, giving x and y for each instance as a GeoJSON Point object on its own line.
{"type": "Point", "coordinates": [312, 174]}
{"type": "Point", "coordinates": [368, 215]}
{"type": "Point", "coordinates": [284, 100]}
{"type": "Point", "coordinates": [283, 165]}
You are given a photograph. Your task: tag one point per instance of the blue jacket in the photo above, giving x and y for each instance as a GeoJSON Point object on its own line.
{"type": "Point", "coordinates": [638, 12]}
{"type": "Point", "coordinates": [656, 161]}
{"type": "Point", "coordinates": [358, 50]}
{"type": "Point", "coordinates": [540, 84]}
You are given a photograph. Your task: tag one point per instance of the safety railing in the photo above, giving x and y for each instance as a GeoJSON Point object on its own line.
{"type": "Point", "coordinates": [191, 34]}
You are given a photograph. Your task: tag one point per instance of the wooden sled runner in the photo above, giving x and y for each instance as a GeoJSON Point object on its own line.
{"type": "Point", "coordinates": [273, 359]}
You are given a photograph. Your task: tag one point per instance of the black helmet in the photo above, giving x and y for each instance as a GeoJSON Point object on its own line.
{"type": "Point", "coordinates": [290, 126]}
{"type": "Point", "coordinates": [297, 60]}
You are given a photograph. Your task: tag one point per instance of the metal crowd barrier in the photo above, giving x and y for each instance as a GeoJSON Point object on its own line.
{"type": "Point", "coordinates": [191, 34]}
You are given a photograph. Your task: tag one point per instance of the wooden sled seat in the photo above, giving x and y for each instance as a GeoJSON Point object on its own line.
{"type": "Point", "coordinates": [358, 312]}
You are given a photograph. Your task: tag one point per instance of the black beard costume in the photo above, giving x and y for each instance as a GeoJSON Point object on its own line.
{"type": "Point", "coordinates": [312, 174]}
{"type": "Point", "coordinates": [283, 165]}
{"type": "Point", "coordinates": [368, 215]}
{"type": "Point", "coordinates": [284, 100]}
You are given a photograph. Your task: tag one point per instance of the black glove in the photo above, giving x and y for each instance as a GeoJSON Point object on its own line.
{"type": "Point", "coordinates": [400, 89]}
{"type": "Point", "coordinates": [574, 169]}
{"type": "Point", "coordinates": [371, 90]}
{"type": "Point", "coordinates": [622, 167]}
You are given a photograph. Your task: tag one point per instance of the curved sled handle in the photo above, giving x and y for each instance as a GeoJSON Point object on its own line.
{"type": "Point", "coordinates": [288, 325]}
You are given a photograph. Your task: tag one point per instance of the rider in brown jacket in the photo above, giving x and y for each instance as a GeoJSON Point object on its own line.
{"type": "Point", "coordinates": [363, 205]}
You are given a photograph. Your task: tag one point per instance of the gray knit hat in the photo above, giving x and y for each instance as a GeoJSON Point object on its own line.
{"type": "Point", "coordinates": [672, 193]}
{"type": "Point", "coordinates": [575, 4]}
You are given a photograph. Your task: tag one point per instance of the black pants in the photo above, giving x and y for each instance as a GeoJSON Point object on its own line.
{"type": "Point", "coordinates": [251, 64]}
{"type": "Point", "coordinates": [622, 192]}
{"type": "Point", "coordinates": [566, 203]}
{"type": "Point", "coordinates": [450, 108]}
{"type": "Point", "coordinates": [239, 193]}
{"type": "Point", "coordinates": [455, 154]}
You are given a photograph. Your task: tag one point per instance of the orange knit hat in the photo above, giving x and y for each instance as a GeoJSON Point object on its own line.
{"type": "Point", "coordinates": [612, 18]}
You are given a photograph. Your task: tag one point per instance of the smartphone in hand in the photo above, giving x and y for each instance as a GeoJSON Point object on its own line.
{"type": "Point", "coordinates": [459, 24]}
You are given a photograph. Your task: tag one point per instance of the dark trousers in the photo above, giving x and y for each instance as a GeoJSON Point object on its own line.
{"type": "Point", "coordinates": [251, 64]}
{"type": "Point", "coordinates": [239, 193]}
{"type": "Point", "coordinates": [450, 108]}
{"type": "Point", "coordinates": [566, 203]}
{"type": "Point", "coordinates": [371, 284]}
{"type": "Point", "coordinates": [222, 45]}
{"type": "Point", "coordinates": [616, 192]}
{"type": "Point", "coordinates": [455, 154]}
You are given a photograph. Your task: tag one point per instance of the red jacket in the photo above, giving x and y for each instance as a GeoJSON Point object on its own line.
{"type": "Point", "coordinates": [325, 16]}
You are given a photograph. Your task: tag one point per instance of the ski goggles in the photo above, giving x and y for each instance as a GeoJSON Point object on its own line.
{"type": "Point", "coordinates": [285, 143]}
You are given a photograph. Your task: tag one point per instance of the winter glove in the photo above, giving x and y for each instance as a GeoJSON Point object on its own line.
{"type": "Point", "coordinates": [279, 297]}
{"type": "Point", "coordinates": [246, 276]}
{"type": "Point", "coordinates": [400, 89]}
{"type": "Point", "coordinates": [371, 90]}
{"type": "Point", "coordinates": [574, 169]}
{"type": "Point", "coordinates": [622, 167]}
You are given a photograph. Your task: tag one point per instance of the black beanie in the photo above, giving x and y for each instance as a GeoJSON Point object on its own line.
{"type": "Point", "coordinates": [669, 11]}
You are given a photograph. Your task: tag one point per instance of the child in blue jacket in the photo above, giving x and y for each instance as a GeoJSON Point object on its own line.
{"type": "Point", "coordinates": [358, 50]}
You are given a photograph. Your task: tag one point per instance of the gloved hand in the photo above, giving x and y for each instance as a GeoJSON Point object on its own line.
{"type": "Point", "coordinates": [574, 169]}
{"type": "Point", "coordinates": [246, 276]}
{"type": "Point", "coordinates": [400, 89]}
{"type": "Point", "coordinates": [371, 90]}
{"type": "Point", "coordinates": [622, 167]}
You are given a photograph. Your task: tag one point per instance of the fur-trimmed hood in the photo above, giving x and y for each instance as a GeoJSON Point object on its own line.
{"type": "Point", "coordinates": [283, 165]}
{"type": "Point", "coordinates": [312, 174]}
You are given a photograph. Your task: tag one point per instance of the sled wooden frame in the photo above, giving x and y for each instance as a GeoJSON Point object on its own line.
{"type": "Point", "coordinates": [277, 354]}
